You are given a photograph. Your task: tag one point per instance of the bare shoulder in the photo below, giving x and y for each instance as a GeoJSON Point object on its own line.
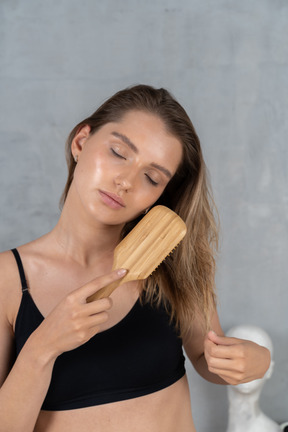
{"type": "Point", "coordinates": [8, 272]}
{"type": "Point", "coordinates": [10, 281]}
{"type": "Point", "coordinates": [10, 286]}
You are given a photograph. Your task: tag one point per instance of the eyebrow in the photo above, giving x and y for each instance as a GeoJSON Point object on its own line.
{"type": "Point", "coordinates": [161, 168]}
{"type": "Point", "coordinates": [133, 147]}
{"type": "Point", "coordinates": [126, 141]}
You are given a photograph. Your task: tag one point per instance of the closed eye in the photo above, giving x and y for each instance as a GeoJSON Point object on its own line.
{"type": "Point", "coordinates": [114, 152]}
{"type": "Point", "coordinates": [153, 182]}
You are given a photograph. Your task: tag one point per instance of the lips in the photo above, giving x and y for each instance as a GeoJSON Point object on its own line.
{"type": "Point", "coordinates": [111, 199]}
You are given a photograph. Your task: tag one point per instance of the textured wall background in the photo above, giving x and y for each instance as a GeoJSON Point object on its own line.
{"type": "Point", "coordinates": [226, 62]}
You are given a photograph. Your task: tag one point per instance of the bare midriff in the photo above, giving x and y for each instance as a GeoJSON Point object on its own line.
{"type": "Point", "coordinates": [167, 410]}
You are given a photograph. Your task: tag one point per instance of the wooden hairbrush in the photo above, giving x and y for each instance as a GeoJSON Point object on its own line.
{"type": "Point", "coordinates": [145, 247]}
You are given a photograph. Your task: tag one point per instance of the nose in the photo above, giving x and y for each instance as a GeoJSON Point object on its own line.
{"type": "Point", "coordinates": [124, 181]}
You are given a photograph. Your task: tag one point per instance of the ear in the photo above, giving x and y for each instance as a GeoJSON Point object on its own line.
{"type": "Point", "coordinates": [79, 140]}
{"type": "Point", "coordinates": [270, 370]}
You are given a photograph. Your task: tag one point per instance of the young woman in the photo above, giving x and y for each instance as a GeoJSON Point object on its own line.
{"type": "Point", "coordinates": [117, 364]}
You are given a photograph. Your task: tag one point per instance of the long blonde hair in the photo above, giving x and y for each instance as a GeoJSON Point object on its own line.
{"type": "Point", "coordinates": [184, 282]}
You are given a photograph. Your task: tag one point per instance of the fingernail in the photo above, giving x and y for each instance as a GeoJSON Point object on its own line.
{"type": "Point", "coordinates": [121, 272]}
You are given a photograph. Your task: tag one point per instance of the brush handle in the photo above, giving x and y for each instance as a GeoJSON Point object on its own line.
{"type": "Point", "coordinates": [105, 291]}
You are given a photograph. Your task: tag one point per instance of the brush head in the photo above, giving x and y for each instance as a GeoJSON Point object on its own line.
{"type": "Point", "coordinates": [146, 246]}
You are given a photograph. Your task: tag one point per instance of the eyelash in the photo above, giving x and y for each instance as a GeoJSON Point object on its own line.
{"type": "Point", "coordinates": [149, 179]}
{"type": "Point", "coordinates": [117, 154]}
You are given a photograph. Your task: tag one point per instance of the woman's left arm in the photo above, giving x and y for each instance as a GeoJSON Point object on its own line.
{"type": "Point", "coordinates": [225, 360]}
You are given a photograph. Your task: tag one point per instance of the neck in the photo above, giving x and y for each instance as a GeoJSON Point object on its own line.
{"type": "Point", "coordinates": [83, 241]}
{"type": "Point", "coordinates": [243, 408]}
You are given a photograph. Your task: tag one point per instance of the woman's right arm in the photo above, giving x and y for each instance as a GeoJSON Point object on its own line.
{"type": "Point", "coordinates": [24, 385]}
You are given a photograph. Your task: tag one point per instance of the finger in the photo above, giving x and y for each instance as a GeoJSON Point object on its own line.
{"type": "Point", "coordinates": [95, 321]}
{"type": "Point", "coordinates": [93, 325]}
{"type": "Point", "coordinates": [221, 351]}
{"type": "Point", "coordinates": [222, 365]}
{"type": "Point", "coordinates": [222, 340]}
{"type": "Point", "coordinates": [97, 306]}
{"type": "Point", "coordinates": [232, 377]}
{"type": "Point", "coordinates": [96, 284]}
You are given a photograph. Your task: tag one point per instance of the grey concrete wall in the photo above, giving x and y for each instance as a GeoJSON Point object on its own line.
{"type": "Point", "coordinates": [226, 62]}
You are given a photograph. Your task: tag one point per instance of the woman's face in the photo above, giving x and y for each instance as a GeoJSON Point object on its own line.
{"type": "Point", "coordinates": [124, 167]}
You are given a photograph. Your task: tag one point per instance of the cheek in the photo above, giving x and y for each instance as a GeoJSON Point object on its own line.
{"type": "Point", "coordinates": [149, 196]}
{"type": "Point", "coordinates": [249, 387]}
{"type": "Point", "coordinates": [94, 167]}
{"type": "Point", "coordinates": [98, 170]}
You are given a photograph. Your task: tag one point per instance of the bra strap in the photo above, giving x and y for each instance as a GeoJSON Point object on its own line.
{"type": "Point", "coordinates": [21, 270]}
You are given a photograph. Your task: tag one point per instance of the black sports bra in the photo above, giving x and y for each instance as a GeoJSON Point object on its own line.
{"type": "Point", "coordinates": [140, 355]}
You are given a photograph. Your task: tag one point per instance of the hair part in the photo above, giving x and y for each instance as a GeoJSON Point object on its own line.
{"type": "Point", "coordinates": [184, 282]}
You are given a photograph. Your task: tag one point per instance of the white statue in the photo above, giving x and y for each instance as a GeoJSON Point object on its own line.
{"type": "Point", "coordinates": [245, 414]}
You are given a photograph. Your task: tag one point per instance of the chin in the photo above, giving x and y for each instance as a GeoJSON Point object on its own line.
{"type": "Point", "coordinates": [249, 387]}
